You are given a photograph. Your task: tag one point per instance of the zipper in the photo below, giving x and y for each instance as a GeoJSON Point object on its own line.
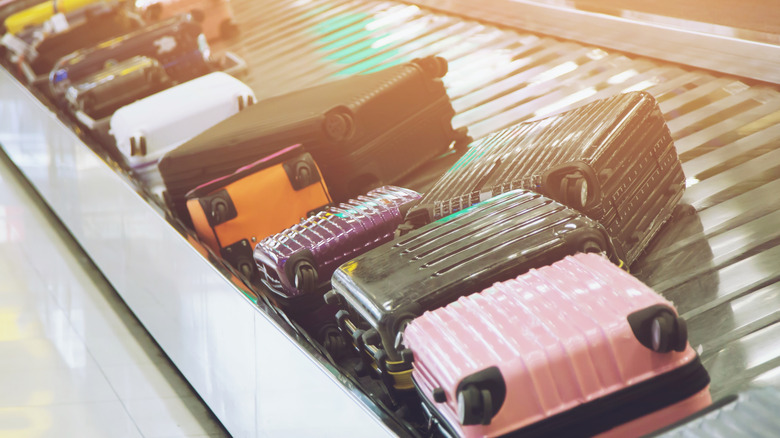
{"type": "Point", "coordinates": [622, 406]}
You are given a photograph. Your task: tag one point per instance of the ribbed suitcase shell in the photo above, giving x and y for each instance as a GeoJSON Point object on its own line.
{"type": "Point", "coordinates": [178, 44]}
{"type": "Point", "coordinates": [371, 128]}
{"type": "Point", "coordinates": [232, 213]}
{"type": "Point", "coordinates": [492, 241]}
{"type": "Point", "coordinates": [753, 413]}
{"type": "Point", "coordinates": [560, 338]}
{"type": "Point", "coordinates": [94, 30]}
{"type": "Point", "coordinates": [328, 239]}
{"type": "Point", "coordinates": [622, 141]}
{"type": "Point", "coordinates": [169, 118]}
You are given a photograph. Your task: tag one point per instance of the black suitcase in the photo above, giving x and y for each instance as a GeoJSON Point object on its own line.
{"type": "Point", "coordinates": [363, 131]}
{"type": "Point", "coordinates": [501, 238]}
{"type": "Point", "coordinates": [102, 93]}
{"type": "Point", "coordinates": [177, 44]}
{"type": "Point", "coordinates": [98, 27]}
{"type": "Point", "coordinates": [612, 159]}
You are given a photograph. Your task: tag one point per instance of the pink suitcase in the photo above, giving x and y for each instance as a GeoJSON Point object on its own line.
{"type": "Point", "coordinates": [576, 348]}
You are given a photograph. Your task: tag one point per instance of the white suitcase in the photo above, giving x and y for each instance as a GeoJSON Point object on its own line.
{"type": "Point", "coordinates": [148, 128]}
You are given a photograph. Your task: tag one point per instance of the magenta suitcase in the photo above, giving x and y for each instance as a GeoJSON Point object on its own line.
{"type": "Point", "coordinates": [576, 348]}
{"type": "Point", "coordinates": [301, 259]}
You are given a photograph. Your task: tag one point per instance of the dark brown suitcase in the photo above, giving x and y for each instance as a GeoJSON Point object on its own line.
{"type": "Point", "coordinates": [612, 159]}
{"type": "Point", "coordinates": [501, 238]}
{"type": "Point", "coordinates": [363, 131]}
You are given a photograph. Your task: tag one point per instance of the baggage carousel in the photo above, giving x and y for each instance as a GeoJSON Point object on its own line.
{"type": "Point", "coordinates": [718, 259]}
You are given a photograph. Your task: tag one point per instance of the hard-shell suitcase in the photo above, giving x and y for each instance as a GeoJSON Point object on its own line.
{"type": "Point", "coordinates": [97, 27]}
{"type": "Point", "coordinates": [578, 348]}
{"type": "Point", "coordinates": [10, 7]}
{"type": "Point", "coordinates": [612, 159]}
{"type": "Point", "coordinates": [300, 260]}
{"type": "Point", "coordinates": [216, 16]}
{"type": "Point", "coordinates": [178, 44]}
{"type": "Point", "coordinates": [491, 241]}
{"type": "Point", "coordinates": [36, 15]}
{"type": "Point", "coordinates": [231, 214]}
{"type": "Point", "coordinates": [148, 128]}
{"type": "Point", "coordinates": [364, 131]}
{"type": "Point", "coordinates": [752, 413]}
{"type": "Point", "coordinates": [102, 93]}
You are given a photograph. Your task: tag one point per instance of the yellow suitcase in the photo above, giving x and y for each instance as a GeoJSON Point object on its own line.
{"type": "Point", "coordinates": [38, 14]}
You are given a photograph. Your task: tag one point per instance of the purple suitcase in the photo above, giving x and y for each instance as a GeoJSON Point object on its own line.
{"type": "Point", "coordinates": [301, 259]}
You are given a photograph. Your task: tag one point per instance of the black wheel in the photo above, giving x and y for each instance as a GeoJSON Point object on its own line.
{"type": "Point", "coordinates": [334, 342]}
{"type": "Point", "coordinates": [574, 191]}
{"type": "Point", "coordinates": [303, 174]}
{"type": "Point", "coordinates": [475, 406]}
{"type": "Point", "coordinates": [666, 333]}
{"type": "Point", "coordinates": [433, 66]}
{"type": "Point", "coordinates": [338, 125]}
{"type": "Point", "coordinates": [228, 29]}
{"type": "Point", "coordinates": [246, 268]}
{"type": "Point", "coordinates": [681, 335]}
{"type": "Point", "coordinates": [219, 209]}
{"type": "Point", "coordinates": [153, 12]}
{"type": "Point", "coordinates": [591, 246]}
{"type": "Point", "coordinates": [305, 277]}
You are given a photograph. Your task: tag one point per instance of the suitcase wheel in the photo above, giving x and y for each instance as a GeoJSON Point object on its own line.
{"type": "Point", "coordinates": [305, 277]}
{"type": "Point", "coordinates": [333, 341]}
{"type": "Point", "coordinates": [245, 267]}
{"type": "Point", "coordinates": [434, 66]}
{"type": "Point", "coordinates": [338, 124]}
{"type": "Point", "coordinates": [668, 333]}
{"type": "Point", "coordinates": [245, 102]}
{"type": "Point", "coordinates": [219, 209]}
{"type": "Point", "coordinates": [475, 406]}
{"type": "Point", "coordinates": [574, 191]}
{"type": "Point", "coordinates": [154, 11]}
{"type": "Point", "coordinates": [138, 146]}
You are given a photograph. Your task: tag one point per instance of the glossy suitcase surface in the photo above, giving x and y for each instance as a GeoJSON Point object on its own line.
{"type": "Point", "coordinates": [232, 213]}
{"type": "Point", "coordinates": [301, 259]}
{"type": "Point", "coordinates": [613, 159]}
{"type": "Point", "coordinates": [363, 131]}
{"type": "Point", "coordinates": [92, 31]}
{"type": "Point", "coordinates": [574, 349]}
{"type": "Point", "coordinates": [178, 44]}
{"type": "Point", "coordinates": [101, 94]}
{"type": "Point", "coordinates": [492, 241]}
{"type": "Point", "coordinates": [753, 413]}
{"type": "Point", "coordinates": [215, 16]}
{"type": "Point", "coordinates": [10, 7]}
{"type": "Point", "coordinates": [39, 13]}
{"type": "Point", "coordinates": [148, 128]}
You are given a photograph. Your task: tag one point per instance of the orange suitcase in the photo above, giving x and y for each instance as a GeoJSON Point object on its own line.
{"type": "Point", "coordinates": [215, 16]}
{"type": "Point", "coordinates": [231, 214]}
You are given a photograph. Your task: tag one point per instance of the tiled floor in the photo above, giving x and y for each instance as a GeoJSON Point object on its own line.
{"type": "Point", "coordinates": [73, 361]}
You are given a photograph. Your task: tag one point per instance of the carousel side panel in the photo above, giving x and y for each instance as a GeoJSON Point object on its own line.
{"type": "Point", "coordinates": [255, 375]}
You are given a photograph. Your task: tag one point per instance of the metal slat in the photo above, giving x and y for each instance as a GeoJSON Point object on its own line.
{"type": "Point", "coordinates": [725, 128]}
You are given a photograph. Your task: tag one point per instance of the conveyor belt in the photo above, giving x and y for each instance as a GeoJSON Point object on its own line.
{"type": "Point", "coordinates": [720, 265]}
